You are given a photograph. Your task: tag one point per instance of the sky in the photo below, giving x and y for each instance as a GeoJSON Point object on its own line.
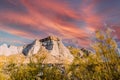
{"type": "Point", "coordinates": [74, 21]}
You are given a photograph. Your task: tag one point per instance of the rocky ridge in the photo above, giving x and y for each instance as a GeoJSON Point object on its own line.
{"type": "Point", "coordinates": [55, 50]}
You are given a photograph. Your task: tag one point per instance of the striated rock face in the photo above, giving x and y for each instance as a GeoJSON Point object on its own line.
{"type": "Point", "coordinates": [55, 50]}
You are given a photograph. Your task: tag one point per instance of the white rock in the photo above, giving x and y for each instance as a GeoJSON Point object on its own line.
{"type": "Point", "coordinates": [53, 46]}
{"type": "Point", "coordinates": [5, 50]}
{"type": "Point", "coordinates": [32, 48]}
{"type": "Point", "coordinates": [57, 50]}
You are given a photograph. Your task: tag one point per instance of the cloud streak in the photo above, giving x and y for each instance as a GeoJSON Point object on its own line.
{"type": "Point", "coordinates": [43, 17]}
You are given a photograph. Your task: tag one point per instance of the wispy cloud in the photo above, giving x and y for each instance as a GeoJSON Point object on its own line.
{"type": "Point", "coordinates": [40, 18]}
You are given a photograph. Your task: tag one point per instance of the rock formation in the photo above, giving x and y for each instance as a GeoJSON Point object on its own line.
{"type": "Point", "coordinates": [10, 50]}
{"type": "Point", "coordinates": [55, 50]}
{"type": "Point", "coordinates": [32, 48]}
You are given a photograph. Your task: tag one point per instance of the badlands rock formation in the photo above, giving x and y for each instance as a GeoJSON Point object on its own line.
{"type": "Point", "coordinates": [10, 50]}
{"type": "Point", "coordinates": [32, 48]}
{"type": "Point", "coordinates": [55, 50]}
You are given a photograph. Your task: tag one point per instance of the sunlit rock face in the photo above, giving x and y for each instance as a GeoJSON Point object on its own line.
{"type": "Point", "coordinates": [56, 49]}
{"type": "Point", "coordinates": [10, 50]}
{"type": "Point", "coordinates": [4, 50]}
{"type": "Point", "coordinates": [32, 48]}
{"type": "Point", "coordinates": [52, 45]}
